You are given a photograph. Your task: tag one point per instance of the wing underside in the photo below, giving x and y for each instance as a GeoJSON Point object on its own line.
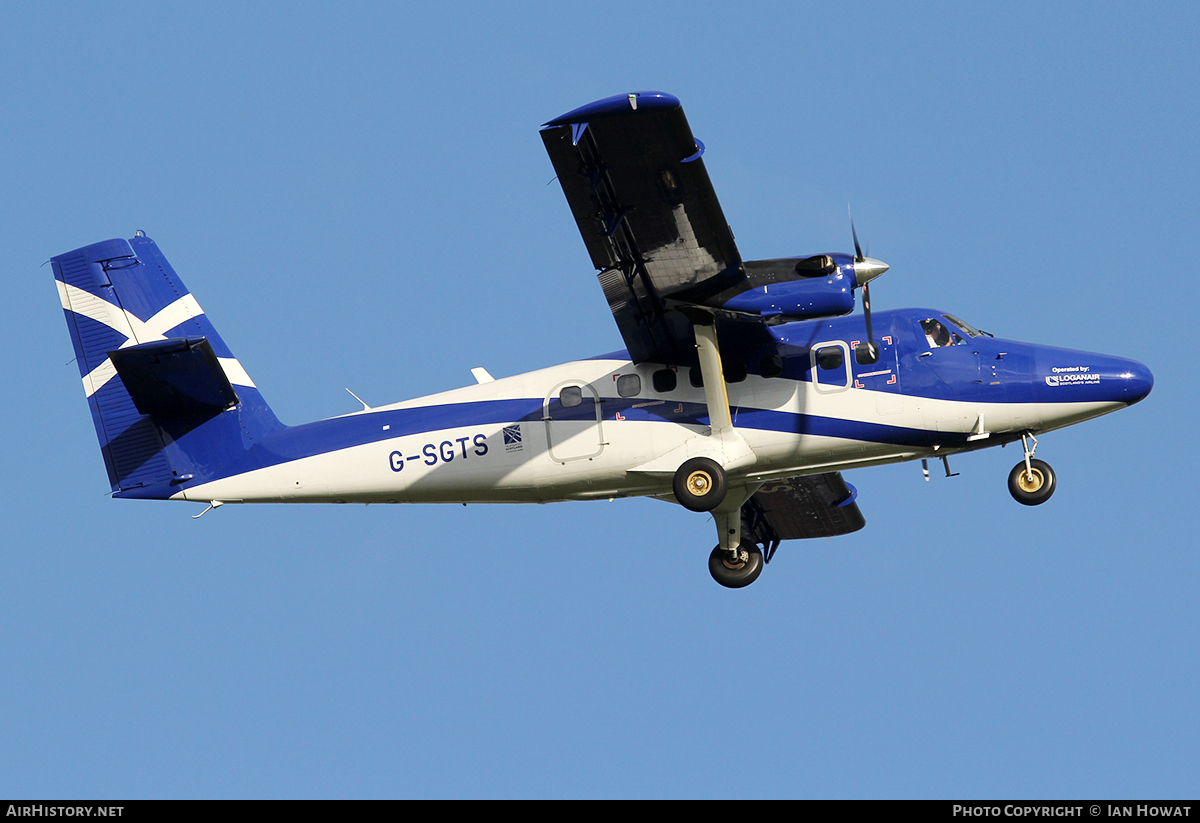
{"type": "Point", "coordinates": [639, 192]}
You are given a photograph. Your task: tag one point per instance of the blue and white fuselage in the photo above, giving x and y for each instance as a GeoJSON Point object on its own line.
{"type": "Point", "coordinates": [512, 440]}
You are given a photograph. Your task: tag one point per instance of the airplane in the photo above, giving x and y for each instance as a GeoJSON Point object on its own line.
{"type": "Point", "coordinates": [744, 389]}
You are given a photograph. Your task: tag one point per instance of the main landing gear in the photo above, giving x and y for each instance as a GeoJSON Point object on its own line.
{"type": "Point", "coordinates": [737, 560]}
{"type": "Point", "coordinates": [700, 484]}
{"type": "Point", "coordinates": [735, 569]}
{"type": "Point", "coordinates": [1031, 482]}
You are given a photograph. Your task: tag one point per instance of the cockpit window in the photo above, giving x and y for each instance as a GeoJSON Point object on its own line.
{"type": "Point", "coordinates": [970, 330]}
{"type": "Point", "coordinates": [935, 333]}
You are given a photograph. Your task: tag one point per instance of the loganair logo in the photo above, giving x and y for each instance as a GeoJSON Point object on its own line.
{"type": "Point", "coordinates": [1071, 376]}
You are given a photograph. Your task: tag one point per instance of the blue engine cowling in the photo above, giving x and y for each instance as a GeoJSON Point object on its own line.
{"type": "Point", "coordinates": [795, 288]}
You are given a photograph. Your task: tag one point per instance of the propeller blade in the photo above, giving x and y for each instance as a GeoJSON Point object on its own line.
{"type": "Point", "coordinates": [858, 254]}
{"type": "Point", "coordinates": [871, 353]}
{"type": "Point", "coordinates": [867, 310]}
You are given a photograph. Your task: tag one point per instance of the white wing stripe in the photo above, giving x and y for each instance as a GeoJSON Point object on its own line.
{"type": "Point", "coordinates": [135, 331]}
{"type": "Point", "coordinates": [234, 371]}
{"type": "Point", "coordinates": [98, 376]}
{"type": "Point", "coordinates": [95, 308]}
{"type": "Point", "coordinates": [185, 308]}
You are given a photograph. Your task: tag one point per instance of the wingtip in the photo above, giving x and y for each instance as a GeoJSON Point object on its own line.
{"type": "Point", "coordinates": [616, 105]}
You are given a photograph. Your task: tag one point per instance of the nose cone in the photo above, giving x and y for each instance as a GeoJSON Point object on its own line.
{"type": "Point", "coordinates": [1068, 376]}
{"type": "Point", "coordinates": [1137, 380]}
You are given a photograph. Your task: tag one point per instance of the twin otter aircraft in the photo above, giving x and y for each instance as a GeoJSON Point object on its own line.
{"type": "Point", "coordinates": [743, 389]}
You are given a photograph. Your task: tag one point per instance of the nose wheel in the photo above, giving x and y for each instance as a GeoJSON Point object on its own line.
{"type": "Point", "coordinates": [1031, 486]}
{"type": "Point", "coordinates": [1031, 482]}
{"type": "Point", "coordinates": [737, 568]}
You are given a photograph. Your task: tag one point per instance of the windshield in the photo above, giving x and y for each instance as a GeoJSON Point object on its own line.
{"type": "Point", "coordinates": [970, 330]}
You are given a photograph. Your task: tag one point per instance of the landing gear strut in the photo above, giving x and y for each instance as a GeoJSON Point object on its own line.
{"type": "Point", "coordinates": [732, 571]}
{"type": "Point", "coordinates": [1031, 482]}
{"type": "Point", "coordinates": [737, 560]}
{"type": "Point", "coordinates": [701, 484]}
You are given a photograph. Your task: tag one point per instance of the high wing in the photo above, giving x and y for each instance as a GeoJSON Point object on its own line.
{"type": "Point", "coordinates": [817, 505]}
{"type": "Point", "coordinates": [633, 176]}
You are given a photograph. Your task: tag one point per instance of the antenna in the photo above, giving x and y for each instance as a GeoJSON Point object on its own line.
{"type": "Point", "coordinates": [360, 400]}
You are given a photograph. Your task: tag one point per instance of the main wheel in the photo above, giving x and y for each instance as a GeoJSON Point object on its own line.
{"type": "Point", "coordinates": [733, 574]}
{"type": "Point", "coordinates": [700, 484]}
{"type": "Point", "coordinates": [1035, 490]}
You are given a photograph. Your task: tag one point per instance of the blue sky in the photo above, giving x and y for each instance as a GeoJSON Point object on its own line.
{"type": "Point", "coordinates": [358, 197]}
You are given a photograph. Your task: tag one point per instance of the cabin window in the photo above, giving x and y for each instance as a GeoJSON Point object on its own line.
{"type": "Point", "coordinates": [629, 385]}
{"type": "Point", "coordinates": [866, 354]}
{"type": "Point", "coordinates": [830, 358]}
{"type": "Point", "coordinates": [735, 372]}
{"type": "Point", "coordinates": [570, 397]}
{"type": "Point", "coordinates": [696, 377]}
{"type": "Point", "coordinates": [665, 381]}
{"type": "Point", "coordinates": [770, 366]}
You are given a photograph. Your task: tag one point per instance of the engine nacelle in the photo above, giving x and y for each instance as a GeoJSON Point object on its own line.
{"type": "Point", "coordinates": [796, 288]}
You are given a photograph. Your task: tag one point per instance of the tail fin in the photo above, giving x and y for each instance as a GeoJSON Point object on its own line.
{"type": "Point", "coordinates": [171, 404]}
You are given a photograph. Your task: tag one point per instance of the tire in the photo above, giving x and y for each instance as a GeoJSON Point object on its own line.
{"type": "Point", "coordinates": [735, 576]}
{"type": "Point", "coordinates": [1035, 492]}
{"type": "Point", "coordinates": [700, 485]}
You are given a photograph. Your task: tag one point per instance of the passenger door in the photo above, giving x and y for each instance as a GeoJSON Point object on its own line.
{"type": "Point", "coordinates": [829, 362]}
{"type": "Point", "coordinates": [572, 415]}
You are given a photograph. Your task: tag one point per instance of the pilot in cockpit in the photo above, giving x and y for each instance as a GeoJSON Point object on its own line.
{"type": "Point", "coordinates": [935, 334]}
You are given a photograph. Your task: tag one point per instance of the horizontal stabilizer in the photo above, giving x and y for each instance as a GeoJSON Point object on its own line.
{"type": "Point", "coordinates": [177, 377]}
{"type": "Point", "coordinates": [801, 507]}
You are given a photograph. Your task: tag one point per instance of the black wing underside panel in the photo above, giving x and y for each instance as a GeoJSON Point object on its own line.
{"type": "Point", "coordinates": [801, 507]}
{"type": "Point", "coordinates": [648, 214]}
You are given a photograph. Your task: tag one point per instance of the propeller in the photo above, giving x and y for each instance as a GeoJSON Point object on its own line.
{"type": "Point", "coordinates": [866, 269]}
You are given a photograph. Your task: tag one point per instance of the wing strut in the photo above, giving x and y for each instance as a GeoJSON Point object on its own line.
{"type": "Point", "coordinates": [736, 451]}
{"type": "Point", "coordinates": [725, 445]}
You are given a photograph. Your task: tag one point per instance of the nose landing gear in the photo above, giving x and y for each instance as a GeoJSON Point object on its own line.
{"type": "Point", "coordinates": [1031, 482]}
